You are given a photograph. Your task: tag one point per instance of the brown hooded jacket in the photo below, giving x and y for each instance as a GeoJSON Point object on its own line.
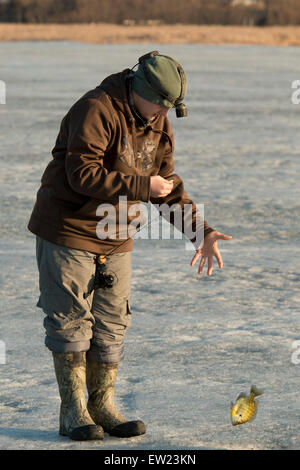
{"type": "Point", "coordinates": [103, 152]}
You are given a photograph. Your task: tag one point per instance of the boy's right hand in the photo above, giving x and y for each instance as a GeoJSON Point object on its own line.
{"type": "Point", "coordinates": [159, 187]}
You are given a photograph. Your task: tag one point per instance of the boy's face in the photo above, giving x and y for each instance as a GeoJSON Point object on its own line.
{"type": "Point", "coordinates": [147, 109]}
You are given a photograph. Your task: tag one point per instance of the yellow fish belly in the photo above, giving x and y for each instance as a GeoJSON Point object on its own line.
{"type": "Point", "coordinates": [245, 407]}
{"type": "Point", "coordinates": [242, 412]}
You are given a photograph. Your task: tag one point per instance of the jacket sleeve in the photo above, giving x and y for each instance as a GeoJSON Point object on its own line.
{"type": "Point", "coordinates": [185, 216]}
{"type": "Point", "coordinates": [90, 133]}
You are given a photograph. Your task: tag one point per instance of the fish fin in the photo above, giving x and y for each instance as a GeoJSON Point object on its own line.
{"type": "Point", "coordinates": [242, 395]}
{"type": "Point", "coordinates": [254, 413]}
{"type": "Point", "coordinates": [254, 390]}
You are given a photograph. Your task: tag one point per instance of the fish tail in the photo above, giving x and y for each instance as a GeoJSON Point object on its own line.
{"type": "Point", "coordinates": [255, 391]}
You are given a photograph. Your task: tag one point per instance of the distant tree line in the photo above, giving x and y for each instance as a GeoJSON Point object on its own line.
{"type": "Point", "coordinates": [225, 12]}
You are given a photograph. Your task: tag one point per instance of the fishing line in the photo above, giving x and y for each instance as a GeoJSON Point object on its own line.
{"type": "Point", "coordinates": [104, 280]}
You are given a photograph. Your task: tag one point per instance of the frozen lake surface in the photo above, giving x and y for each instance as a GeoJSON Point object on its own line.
{"type": "Point", "coordinates": [195, 342]}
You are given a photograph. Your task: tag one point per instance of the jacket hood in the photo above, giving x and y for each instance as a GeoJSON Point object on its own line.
{"type": "Point", "coordinates": [115, 86]}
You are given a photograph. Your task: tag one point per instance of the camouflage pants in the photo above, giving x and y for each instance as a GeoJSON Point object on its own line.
{"type": "Point", "coordinates": [75, 322]}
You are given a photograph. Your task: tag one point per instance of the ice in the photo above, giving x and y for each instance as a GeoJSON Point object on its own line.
{"type": "Point", "coordinates": [196, 342]}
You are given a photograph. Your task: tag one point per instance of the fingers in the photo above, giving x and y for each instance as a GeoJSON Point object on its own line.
{"type": "Point", "coordinates": [222, 236]}
{"type": "Point", "coordinates": [196, 256]}
{"type": "Point", "coordinates": [166, 188]}
{"type": "Point", "coordinates": [210, 265]}
{"type": "Point", "coordinates": [201, 264]}
{"type": "Point", "coordinates": [165, 191]}
{"type": "Point", "coordinates": [209, 261]}
{"type": "Point", "coordinates": [219, 259]}
{"type": "Point", "coordinates": [209, 252]}
{"type": "Point", "coordinates": [160, 187]}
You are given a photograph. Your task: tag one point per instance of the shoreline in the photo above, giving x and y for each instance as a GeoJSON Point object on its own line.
{"type": "Point", "coordinates": [104, 33]}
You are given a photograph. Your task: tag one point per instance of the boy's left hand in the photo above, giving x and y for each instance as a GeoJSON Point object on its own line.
{"type": "Point", "coordinates": [208, 250]}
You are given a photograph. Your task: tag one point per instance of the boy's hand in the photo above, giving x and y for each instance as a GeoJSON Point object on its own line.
{"type": "Point", "coordinates": [209, 250]}
{"type": "Point", "coordinates": [159, 187]}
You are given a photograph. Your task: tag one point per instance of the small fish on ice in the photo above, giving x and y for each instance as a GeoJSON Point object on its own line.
{"type": "Point", "coordinates": [245, 407]}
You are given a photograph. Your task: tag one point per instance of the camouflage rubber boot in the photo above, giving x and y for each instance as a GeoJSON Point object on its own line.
{"type": "Point", "coordinates": [101, 378]}
{"type": "Point", "coordinates": [74, 420]}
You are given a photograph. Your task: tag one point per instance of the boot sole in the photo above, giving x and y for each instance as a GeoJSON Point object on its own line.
{"type": "Point", "coordinates": [90, 432]}
{"type": "Point", "coordinates": [129, 429]}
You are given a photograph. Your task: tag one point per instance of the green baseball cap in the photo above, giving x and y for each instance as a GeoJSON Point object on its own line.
{"type": "Point", "coordinates": [160, 79]}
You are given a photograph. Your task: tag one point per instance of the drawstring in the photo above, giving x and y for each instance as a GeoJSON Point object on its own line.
{"type": "Point", "coordinates": [134, 138]}
{"type": "Point", "coordinates": [132, 120]}
{"type": "Point", "coordinates": [166, 134]}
